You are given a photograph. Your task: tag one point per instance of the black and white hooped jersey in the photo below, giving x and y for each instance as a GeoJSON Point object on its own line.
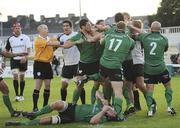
{"type": "Point", "coordinates": [18, 44]}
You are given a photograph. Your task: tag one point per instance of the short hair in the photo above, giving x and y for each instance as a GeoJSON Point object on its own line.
{"type": "Point", "coordinates": [68, 22]}
{"type": "Point", "coordinates": [155, 26]}
{"type": "Point", "coordinates": [99, 21]}
{"type": "Point", "coordinates": [137, 23]}
{"type": "Point", "coordinates": [83, 22]}
{"type": "Point", "coordinates": [121, 25]}
{"type": "Point", "coordinates": [17, 24]}
{"type": "Point", "coordinates": [118, 17]}
{"type": "Point", "coordinates": [127, 15]}
{"type": "Point", "coordinates": [41, 27]}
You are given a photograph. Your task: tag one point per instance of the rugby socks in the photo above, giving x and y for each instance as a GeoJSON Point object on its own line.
{"type": "Point", "coordinates": [63, 94]}
{"type": "Point", "coordinates": [107, 91]}
{"type": "Point", "coordinates": [30, 123]}
{"type": "Point", "coordinates": [168, 96]}
{"type": "Point", "coordinates": [35, 98]}
{"type": "Point", "coordinates": [46, 95]}
{"type": "Point", "coordinates": [8, 104]}
{"type": "Point", "coordinates": [127, 97]}
{"type": "Point", "coordinates": [149, 99]}
{"type": "Point", "coordinates": [46, 109]}
{"type": "Point", "coordinates": [76, 95]}
{"type": "Point", "coordinates": [22, 84]}
{"type": "Point", "coordinates": [93, 93]}
{"type": "Point", "coordinates": [16, 87]}
{"type": "Point", "coordinates": [118, 106]}
{"type": "Point", "coordinates": [136, 100]}
{"type": "Point", "coordinates": [83, 96]}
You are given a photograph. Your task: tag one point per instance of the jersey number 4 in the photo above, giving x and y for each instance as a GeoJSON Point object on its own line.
{"type": "Point", "coordinates": [117, 45]}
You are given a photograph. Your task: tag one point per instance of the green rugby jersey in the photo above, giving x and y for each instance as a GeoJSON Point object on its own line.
{"type": "Point", "coordinates": [85, 112]}
{"type": "Point", "coordinates": [154, 45]}
{"type": "Point", "coordinates": [127, 31]}
{"type": "Point", "coordinates": [117, 46]}
{"type": "Point", "coordinates": [87, 50]}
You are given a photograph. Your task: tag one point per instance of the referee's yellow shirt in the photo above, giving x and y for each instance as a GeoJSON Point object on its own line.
{"type": "Point", "coordinates": [43, 53]}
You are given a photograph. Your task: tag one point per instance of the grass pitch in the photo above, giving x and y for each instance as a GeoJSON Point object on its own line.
{"type": "Point", "coordinates": [139, 120]}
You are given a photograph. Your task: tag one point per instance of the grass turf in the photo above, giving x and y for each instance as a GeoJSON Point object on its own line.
{"type": "Point", "coordinates": [139, 120]}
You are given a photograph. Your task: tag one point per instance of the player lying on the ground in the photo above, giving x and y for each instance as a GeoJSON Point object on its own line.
{"type": "Point", "coordinates": [107, 89]}
{"type": "Point", "coordinates": [68, 112]}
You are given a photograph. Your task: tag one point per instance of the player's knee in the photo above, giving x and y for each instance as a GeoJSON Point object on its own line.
{"type": "Point", "coordinates": [22, 76]}
{"type": "Point", "coordinates": [65, 80]}
{"type": "Point", "coordinates": [4, 89]}
{"type": "Point", "coordinates": [59, 106]}
{"type": "Point", "coordinates": [15, 73]}
{"type": "Point", "coordinates": [55, 120]}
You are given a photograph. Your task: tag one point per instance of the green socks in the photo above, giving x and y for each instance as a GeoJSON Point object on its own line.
{"type": "Point", "coordinates": [126, 96]}
{"type": "Point", "coordinates": [149, 99]}
{"type": "Point", "coordinates": [118, 106]}
{"type": "Point", "coordinates": [8, 104]}
{"type": "Point", "coordinates": [32, 122]}
{"type": "Point", "coordinates": [93, 94]}
{"type": "Point", "coordinates": [76, 95]}
{"type": "Point", "coordinates": [44, 110]}
{"type": "Point", "coordinates": [168, 96]}
{"type": "Point", "coordinates": [107, 91]}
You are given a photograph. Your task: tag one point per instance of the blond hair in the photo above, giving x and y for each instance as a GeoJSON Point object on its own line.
{"type": "Point", "coordinates": [121, 25]}
{"type": "Point", "coordinates": [42, 27]}
{"type": "Point", "coordinates": [137, 23]}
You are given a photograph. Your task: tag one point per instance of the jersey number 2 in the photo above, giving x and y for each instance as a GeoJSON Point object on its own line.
{"type": "Point", "coordinates": [153, 45]}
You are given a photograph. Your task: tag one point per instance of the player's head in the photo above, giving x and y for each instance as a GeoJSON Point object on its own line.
{"type": "Point", "coordinates": [127, 16]}
{"type": "Point", "coordinates": [111, 115]}
{"type": "Point", "coordinates": [42, 30]}
{"type": "Point", "coordinates": [118, 17]}
{"type": "Point", "coordinates": [100, 22]}
{"type": "Point", "coordinates": [121, 26]}
{"type": "Point", "coordinates": [101, 25]}
{"type": "Point", "coordinates": [67, 26]}
{"type": "Point", "coordinates": [155, 26]}
{"type": "Point", "coordinates": [16, 29]}
{"type": "Point", "coordinates": [85, 25]}
{"type": "Point", "coordinates": [137, 24]}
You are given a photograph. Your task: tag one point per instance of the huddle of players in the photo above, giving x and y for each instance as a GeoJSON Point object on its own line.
{"type": "Point", "coordinates": [104, 51]}
{"type": "Point", "coordinates": [122, 47]}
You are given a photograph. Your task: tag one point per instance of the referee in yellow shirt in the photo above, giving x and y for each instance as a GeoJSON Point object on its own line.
{"type": "Point", "coordinates": [42, 69]}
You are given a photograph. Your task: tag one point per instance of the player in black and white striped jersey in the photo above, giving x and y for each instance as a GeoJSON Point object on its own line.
{"type": "Point", "coordinates": [17, 43]}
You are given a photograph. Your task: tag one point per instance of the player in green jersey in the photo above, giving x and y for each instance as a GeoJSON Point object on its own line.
{"type": "Point", "coordinates": [155, 45]}
{"type": "Point", "coordinates": [3, 86]}
{"type": "Point", "coordinates": [89, 62]}
{"type": "Point", "coordinates": [68, 113]}
{"type": "Point", "coordinates": [117, 46]}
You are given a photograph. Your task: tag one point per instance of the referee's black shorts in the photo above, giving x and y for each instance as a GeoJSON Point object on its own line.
{"type": "Point", "coordinates": [42, 70]}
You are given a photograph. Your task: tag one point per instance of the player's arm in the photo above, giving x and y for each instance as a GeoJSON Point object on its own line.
{"type": "Point", "coordinates": [54, 43]}
{"type": "Point", "coordinates": [96, 119]}
{"type": "Point", "coordinates": [96, 38]}
{"type": "Point", "coordinates": [7, 49]}
{"type": "Point", "coordinates": [135, 28]}
{"type": "Point", "coordinates": [9, 54]}
{"type": "Point", "coordinates": [167, 45]}
{"type": "Point", "coordinates": [100, 96]}
{"type": "Point", "coordinates": [75, 40]}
